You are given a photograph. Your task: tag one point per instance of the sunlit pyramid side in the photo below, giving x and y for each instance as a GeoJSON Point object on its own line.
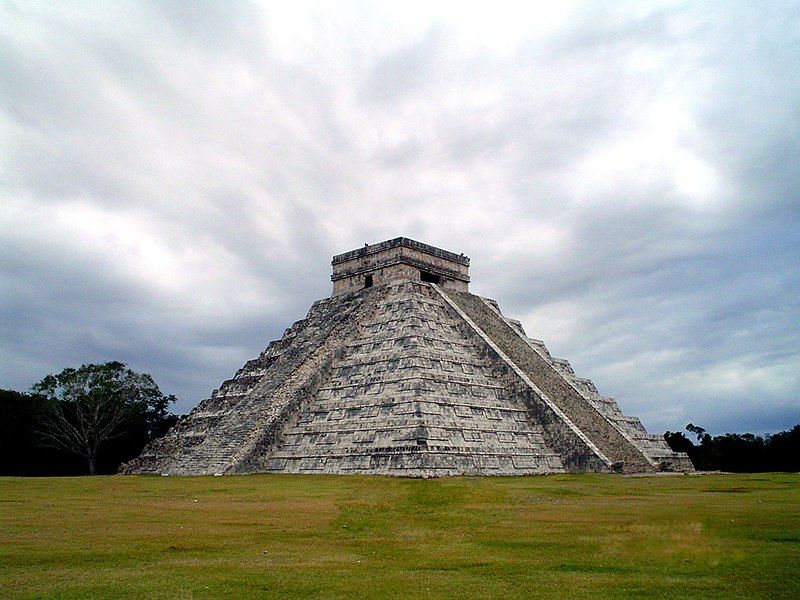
{"type": "Point", "coordinates": [403, 372]}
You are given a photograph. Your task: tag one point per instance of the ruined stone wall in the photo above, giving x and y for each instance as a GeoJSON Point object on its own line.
{"type": "Point", "coordinates": [396, 260]}
{"type": "Point", "coordinates": [390, 274]}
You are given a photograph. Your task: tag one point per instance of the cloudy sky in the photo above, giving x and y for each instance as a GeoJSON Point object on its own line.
{"type": "Point", "coordinates": [175, 176]}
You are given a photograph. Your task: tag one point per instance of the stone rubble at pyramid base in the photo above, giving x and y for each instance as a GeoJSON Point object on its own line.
{"type": "Point", "coordinates": [407, 379]}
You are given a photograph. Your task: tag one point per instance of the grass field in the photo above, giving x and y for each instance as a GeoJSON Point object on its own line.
{"type": "Point", "coordinates": [369, 537]}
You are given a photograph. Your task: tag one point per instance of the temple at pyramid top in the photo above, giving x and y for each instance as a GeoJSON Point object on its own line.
{"type": "Point", "coordinates": [403, 371]}
{"type": "Point", "coordinates": [399, 259]}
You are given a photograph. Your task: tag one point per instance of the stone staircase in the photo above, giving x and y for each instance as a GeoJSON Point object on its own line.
{"type": "Point", "coordinates": [654, 446]}
{"type": "Point", "coordinates": [615, 445]}
{"type": "Point", "coordinates": [625, 440]}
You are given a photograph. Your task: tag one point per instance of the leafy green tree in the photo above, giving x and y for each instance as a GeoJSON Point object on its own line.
{"type": "Point", "coordinates": [87, 407]}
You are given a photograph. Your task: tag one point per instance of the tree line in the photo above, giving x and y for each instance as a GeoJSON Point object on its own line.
{"type": "Point", "coordinates": [93, 418]}
{"type": "Point", "coordinates": [739, 452]}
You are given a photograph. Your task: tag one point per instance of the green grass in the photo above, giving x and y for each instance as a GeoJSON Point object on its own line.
{"type": "Point", "coordinates": [372, 537]}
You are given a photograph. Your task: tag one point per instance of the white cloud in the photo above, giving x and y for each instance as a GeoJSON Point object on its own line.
{"type": "Point", "coordinates": [174, 178]}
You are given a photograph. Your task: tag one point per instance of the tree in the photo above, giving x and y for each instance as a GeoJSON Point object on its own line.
{"type": "Point", "coordinates": [678, 442]}
{"type": "Point", "coordinates": [87, 407]}
{"type": "Point", "coordinates": [698, 431]}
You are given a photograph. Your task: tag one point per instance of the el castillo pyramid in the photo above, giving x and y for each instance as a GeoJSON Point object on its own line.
{"type": "Point", "coordinates": [403, 372]}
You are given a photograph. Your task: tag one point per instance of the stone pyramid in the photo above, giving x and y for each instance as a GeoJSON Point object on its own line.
{"type": "Point", "coordinates": [403, 372]}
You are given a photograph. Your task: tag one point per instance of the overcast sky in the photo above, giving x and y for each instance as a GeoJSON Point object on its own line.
{"type": "Point", "coordinates": [175, 176]}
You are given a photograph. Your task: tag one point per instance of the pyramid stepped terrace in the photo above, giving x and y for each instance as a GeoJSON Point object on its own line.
{"type": "Point", "coordinates": [403, 372]}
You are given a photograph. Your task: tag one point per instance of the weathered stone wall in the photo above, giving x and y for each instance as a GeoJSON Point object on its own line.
{"type": "Point", "coordinates": [382, 247]}
{"type": "Point", "coordinates": [396, 260]}
{"type": "Point", "coordinates": [391, 274]}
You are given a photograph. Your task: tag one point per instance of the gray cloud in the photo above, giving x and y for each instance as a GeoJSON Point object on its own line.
{"type": "Point", "coordinates": [174, 178]}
